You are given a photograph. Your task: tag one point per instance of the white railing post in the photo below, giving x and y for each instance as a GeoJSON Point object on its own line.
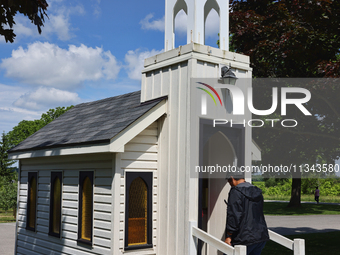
{"type": "Point", "coordinates": [192, 239]}
{"type": "Point", "coordinates": [299, 247]}
{"type": "Point", "coordinates": [240, 250]}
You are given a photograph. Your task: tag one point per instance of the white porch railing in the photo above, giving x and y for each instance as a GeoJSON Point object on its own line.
{"type": "Point", "coordinates": [298, 245]}
{"type": "Point", "coordinates": [211, 240]}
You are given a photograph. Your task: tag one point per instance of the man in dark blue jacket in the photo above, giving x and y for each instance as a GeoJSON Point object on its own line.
{"type": "Point", "coordinates": [245, 220]}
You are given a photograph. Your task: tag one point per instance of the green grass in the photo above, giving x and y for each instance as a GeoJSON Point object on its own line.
{"type": "Point", "coordinates": [276, 208]}
{"type": "Point", "coordinates": [6, 216]}
{"type": "Point", "coordinates": [315, 244]}
{"type": "Point", "coordinates": [310, 198]}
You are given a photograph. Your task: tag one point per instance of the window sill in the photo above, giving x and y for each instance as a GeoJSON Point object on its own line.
{"type": "Point", "coordinates": [54, 234]}
{"type": "Point", "coordinates": [83, 241]}
{"type": "Point", "coordinates": [141, 251]}
{"type": "Point", "coordinates": [30, 229]}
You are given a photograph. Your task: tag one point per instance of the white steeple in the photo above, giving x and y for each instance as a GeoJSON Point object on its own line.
{"type": "Point", "coordinates": [197, 12]}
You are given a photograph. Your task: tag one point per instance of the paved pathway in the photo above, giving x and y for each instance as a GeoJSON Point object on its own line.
{"type": "Point", "coordinates": [290, 225]}
{"type": "Point", "coordinates": [302, 202]}
{"type": "Point", "coordinates": [284, 225]}
{"type": "Point", "coordinates": [7, 238]}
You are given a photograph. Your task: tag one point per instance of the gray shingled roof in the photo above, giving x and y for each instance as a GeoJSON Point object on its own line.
{"type": "Point", "coordinates": [93, 122]}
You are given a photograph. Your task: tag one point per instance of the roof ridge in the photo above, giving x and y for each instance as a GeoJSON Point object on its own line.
{"type": "Point", "coordinates": [107, 99]}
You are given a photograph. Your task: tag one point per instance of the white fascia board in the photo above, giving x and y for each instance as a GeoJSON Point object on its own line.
{"type": "Point", "coordinates": [200, 49]}
{"type": "Point", "coordinates": [255, 152]}
{"type": "Point", "coordinates": [118, 142]}
{"type": "Point", "coordinates": [85, 149]}
{"type": "Point", "coordinates": [168, 62]}
{"type": "Point", "coordinates": [198, 56]}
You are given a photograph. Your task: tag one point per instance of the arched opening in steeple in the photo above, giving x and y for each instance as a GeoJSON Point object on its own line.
{"type": "Point", "coordinates": [201, 19]}
{"type": "Point", "coordinates": [211, 23]}
{"type": "Point", "coordinates": [180, 15]}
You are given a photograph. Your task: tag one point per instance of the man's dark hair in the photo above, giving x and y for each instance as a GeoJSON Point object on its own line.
{"type": "Point", "coordinates": [235, 178]}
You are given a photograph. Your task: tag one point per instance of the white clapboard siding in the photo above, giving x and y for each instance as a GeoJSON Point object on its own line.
{"type": "Point", "coordinates": [69, 235]}
{"type": "Point", "coordinates": [102, 198]}
{"type": "Point", "coordinates": [70, 188]}
{"type": "Point", "coordinates": [44, 194]}
{"type": "Point", "coordinates": [70, 219]}
{"type": "Point", "coordinates": [43, 222]}
{"type": "Point", "coordinates": [64, 245]}
{"type": "Point", "coordinates": [172, 200]}
{"type": "Point", "coordinates": [23, 186]}
{"type": "Point", "coordinates": [141, 147]}
{"type": "Point", "coordinates": [23, 205]}
{"type": "Point", "coordinates": [140, 154]}
{"type": "Point", "coordinates": [42, 200]}
{"type": "Point", "coordinates": [40, 242]}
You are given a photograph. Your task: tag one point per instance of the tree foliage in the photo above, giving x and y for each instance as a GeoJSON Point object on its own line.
{"type": "Point", "coordinates": [327, 186]}
{"type": "Point", "coordinates": [288, 38]}
{"type": "Point", "coordinates": [6, 171]}
{"type": "Point", "coordinates": [8, 193]}
{"type": "Point", "coordinates": [294, 38]}
{"type": "Point", "coordinates": [26, 128]}
{"type": "Point", "coordinates": [35, 10]}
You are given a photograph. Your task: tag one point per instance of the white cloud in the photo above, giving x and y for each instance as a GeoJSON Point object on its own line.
{"type": "Point", "coordinates": [46, 97]}
{"type": "Point", "coordinates": [152, 25]}
{"type": "Point", "coordinates": [11, 116]}
{"type": "Point", "coordinates": [135, 62]}
{"type": "Point", "coordinates": [58, 22]}
{"type": "Point", "coordinates": [60, 25]}
{"type": "Point", "coordinates": [19, 110]}
{"type": "Point", "coordinates": [158, 24]}
{"type": "Point", "coordinates": [212, 25]}
{"type": "Point", "coordinates": [181, 22]}
{"type": "Point", "coordinates": [46, 64]}
{"type": "Point", "coordinates": [10, 93]}
{"type": "Point", "coordinates": [21, 29]}
{"type": "Point", "coordinates": [96, 8]}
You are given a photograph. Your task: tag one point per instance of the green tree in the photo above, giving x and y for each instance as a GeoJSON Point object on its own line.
{"type": "Point", "coordinates": [52, 114]}
{"type": "Point", "coordinates": [8, 194]}
{"type": "Point", "coordinates": [35, 10]}
{"type": "Point", "coordinates": [6, 171]}
{"type": "Point", "coordinates": [25, 128]}
{"type": "Point", "coordinates": [294, 38]}
{"type": "Point", "coordinates": [288, 38]}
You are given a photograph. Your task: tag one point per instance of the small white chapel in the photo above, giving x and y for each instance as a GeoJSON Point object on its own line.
{"type": "Point", "coordinates": [117, 176]}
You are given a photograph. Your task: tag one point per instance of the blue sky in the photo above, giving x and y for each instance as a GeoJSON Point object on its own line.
{"type": "Point", "coordinates": [88, 50]}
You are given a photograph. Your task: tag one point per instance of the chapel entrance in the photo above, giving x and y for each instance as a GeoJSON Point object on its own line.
{"type": "Point", "coordinates": [214, 189]}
